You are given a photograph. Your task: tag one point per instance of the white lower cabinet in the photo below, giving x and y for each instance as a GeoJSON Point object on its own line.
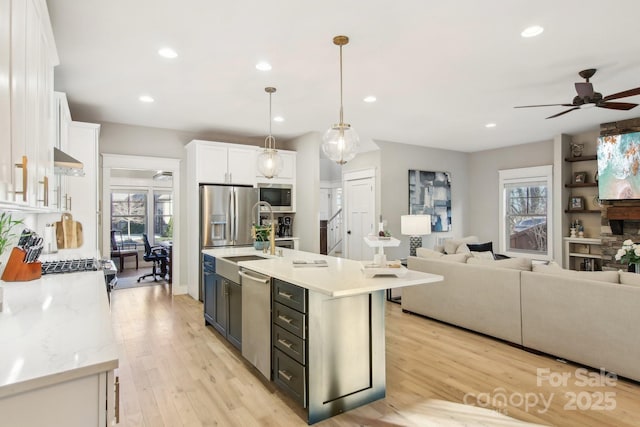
{"type": "Point", "coordinates": [83, 402]}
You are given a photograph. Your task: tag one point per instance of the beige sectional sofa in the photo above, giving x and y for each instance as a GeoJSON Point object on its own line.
{"type": "Point", "coordinates": [560, 312]}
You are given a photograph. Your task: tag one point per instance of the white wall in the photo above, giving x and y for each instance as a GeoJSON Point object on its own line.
{"type": "Point", "coordinates": [483, 182]}
{"type": "Point", "coordinates": [306, 224]}
{"type": "Point", "coordinates": [395, 162]}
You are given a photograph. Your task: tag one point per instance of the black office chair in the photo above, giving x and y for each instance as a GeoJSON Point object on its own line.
{"type": "Point", "coordinates": [159, 256]}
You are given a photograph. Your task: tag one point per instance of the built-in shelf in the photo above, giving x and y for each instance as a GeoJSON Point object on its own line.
{"type": "Point", "coordinates": [581, 158]}
{"type": "Point", "coordinates": [581, 184]}
{"type": "Point", "coordinates": [581, 211]}
{"type": "Point", "coordinates": [579, 255]}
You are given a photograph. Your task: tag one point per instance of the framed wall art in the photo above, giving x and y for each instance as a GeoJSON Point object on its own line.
{"type": "Point", "coordinates": [430, 194]}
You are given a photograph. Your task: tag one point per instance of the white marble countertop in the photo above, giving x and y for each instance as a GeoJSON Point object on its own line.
{"type": "Point", "coordinates": [342, 277]}
{"type": "Point", "coordinates": [54, 329]}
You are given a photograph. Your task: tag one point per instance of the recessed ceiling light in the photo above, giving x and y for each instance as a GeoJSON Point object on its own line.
{"type": "Point", "coordinates": [370, 99]}
{"type": "Point", "coordinates": [263, 66]}
{"type": "Point", "coordinates": [532, 31]}
{"type": "Point", "coordinates": [167, 52]}
{"type": "Point", "coordinates": [490, 125]}
{"type": "Point", "coordinates": [146, 98]}
{"type": "Point", "coordinates": [278, 119]}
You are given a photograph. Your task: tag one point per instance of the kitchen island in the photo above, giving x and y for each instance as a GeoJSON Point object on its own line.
{"type": "Point", "coordinates": [327, 345]}
{"type": "Point", "coordinates": [58, 352]}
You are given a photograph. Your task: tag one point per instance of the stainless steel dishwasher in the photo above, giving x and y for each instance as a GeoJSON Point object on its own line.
{"type": "Point", "coordinates": [256, 320]}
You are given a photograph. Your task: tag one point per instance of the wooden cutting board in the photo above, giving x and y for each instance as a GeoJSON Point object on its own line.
{"type": "Point", "coordinates": [68, 232]}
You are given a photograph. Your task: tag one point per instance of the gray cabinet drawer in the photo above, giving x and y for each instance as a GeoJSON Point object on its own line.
{"type": "Point", "coordinates": [289, 344]}
{"type": "Point", "coordinates": [289, 319]}
{"type": "Point", "coordinates": [290, 295]}
{"type": "Point", "coordinates": [290, 376]}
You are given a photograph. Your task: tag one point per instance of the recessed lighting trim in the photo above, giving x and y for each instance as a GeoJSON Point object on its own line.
{"type": "Point", "coordinates": [490, 125]}
{"type": "Point", "coordinates": [263, 66]}
{"type": "Point", "coordinates": [532, 31]}
{"type": "Point", "coordinates": [167, 52]}
{"type": "Point", "coordinates": [278, 119]}
{"type": "Point", "coordinates": [370, 99]}
{"type": "Point", "coordinates": [146, 98]}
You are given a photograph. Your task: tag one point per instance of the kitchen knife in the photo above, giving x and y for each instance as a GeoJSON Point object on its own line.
{"type": "Point", "coordinates": [24, 238]}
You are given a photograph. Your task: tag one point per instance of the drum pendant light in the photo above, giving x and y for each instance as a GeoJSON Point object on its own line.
{"type": "Point", "coordinates": [269, 161]}
{"type": "Point", "coordinates": [340, 141]}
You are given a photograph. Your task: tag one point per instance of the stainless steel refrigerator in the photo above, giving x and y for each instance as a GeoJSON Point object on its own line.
{"type": "Point", "coordinates": [225, 217]}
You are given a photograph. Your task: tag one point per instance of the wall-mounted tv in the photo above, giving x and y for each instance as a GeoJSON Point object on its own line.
{"type": "Point", "coordinates": [619, 166]}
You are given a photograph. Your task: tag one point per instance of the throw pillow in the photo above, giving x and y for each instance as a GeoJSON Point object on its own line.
{"type": "Point", "coordinates": [480, 247]}
{"type": "Point", "coordinates": [523, 264]}
{"type": "Point", "coordinates": [428, 253]}
{"type": "Point", "coordinates": [631, 279]}
{"type": "Point", "coordinates": [454, 258]}
{"type": "Point", "coordinates": [451, 245]}
{"type": "Point", "coordinates": [482, 255]}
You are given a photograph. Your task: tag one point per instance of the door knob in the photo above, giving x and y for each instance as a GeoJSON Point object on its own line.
{"type": "Point", "coordinates": [348, 231]}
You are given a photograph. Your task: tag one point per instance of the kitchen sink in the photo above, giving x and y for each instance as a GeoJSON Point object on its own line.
{"type": "Point", "coordinates": [236, 259]}
{"type": "Point", "coordinates": [227, 266]}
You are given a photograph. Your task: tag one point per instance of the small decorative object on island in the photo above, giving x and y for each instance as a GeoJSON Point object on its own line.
{"type": "Point", "coordinates": [260, 235]}
{"type": "Point", "coordinates": [629, 253]}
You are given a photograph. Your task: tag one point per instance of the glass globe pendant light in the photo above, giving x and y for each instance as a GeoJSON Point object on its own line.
{"type": "Point", "coordinates": [340, 142]}
{"type": "Point", "coordinates": [269, 161]}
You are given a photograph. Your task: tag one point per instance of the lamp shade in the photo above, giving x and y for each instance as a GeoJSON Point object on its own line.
{"type": "Point", "coordinates": [415, 225]}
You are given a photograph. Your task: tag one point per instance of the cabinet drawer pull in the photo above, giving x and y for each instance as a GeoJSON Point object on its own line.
{"type": "Point", "coordinates": [23, 166]}
{"type": "Point", "coordinates": [285, 318]}
{"type": "Point", "coordinates": [285, 295]}
{"type": "Point", "coordinates": [285, 343]}
{"type": "Point", "coordinates": [285, 375]}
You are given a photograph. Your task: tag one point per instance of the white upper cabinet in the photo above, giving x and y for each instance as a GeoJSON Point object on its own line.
{"type": "Point", "coordinates": [26, 105]}
{"type": "Point", "coordinates": [222, 163]}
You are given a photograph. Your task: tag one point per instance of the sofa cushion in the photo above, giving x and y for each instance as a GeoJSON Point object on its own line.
{"type": "Point", "coordinates": [431, 254]}
{"type": "Point", "coordinates": [631, 279]}
{"type": "Point", "coordinates": [523, 264]}
{"type": "Point", "coordinates": [451, 245]}
{"type": "Point", "coordinates": [555, 269]}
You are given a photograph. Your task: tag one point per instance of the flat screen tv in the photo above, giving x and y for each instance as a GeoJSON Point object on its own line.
{"type": "Point", "coordinates": [619, 166]}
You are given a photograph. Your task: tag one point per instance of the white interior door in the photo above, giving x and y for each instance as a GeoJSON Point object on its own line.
{"type": "Point", "coordinates": [359, 217]}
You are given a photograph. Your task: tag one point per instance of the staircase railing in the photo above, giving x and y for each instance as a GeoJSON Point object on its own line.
{"type": "Point", "coordinates": [334, 232]}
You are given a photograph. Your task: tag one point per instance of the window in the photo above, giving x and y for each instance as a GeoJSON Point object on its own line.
{"type": "Point", "coordinates": [162, 216]}
{"type": "Point", "coordinates": [129, 214]}
{"type": "Point", "coordinates": [525, 212]}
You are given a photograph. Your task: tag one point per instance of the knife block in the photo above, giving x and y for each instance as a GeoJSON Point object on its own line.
{"type": "Point", "coordinates": [19, 271]}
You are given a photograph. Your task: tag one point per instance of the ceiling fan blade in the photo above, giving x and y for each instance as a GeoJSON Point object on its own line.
{"type": "Point", "coordinates": [545, 105]}
{"type": "Point", "coordinates": [564, 112]}
{"type": "Point", "coordinates": [617, 105]}
{"type": "Point", "coordinates": [584, 89]}
{"type": "Point", "coordinates": [624, 94]}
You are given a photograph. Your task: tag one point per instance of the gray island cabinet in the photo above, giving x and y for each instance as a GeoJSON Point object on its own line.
{"type": "Point", "coordinates": [327, 328]}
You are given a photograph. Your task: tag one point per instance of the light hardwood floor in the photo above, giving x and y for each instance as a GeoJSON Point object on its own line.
{"type": "Point", "coordinates": [174, 371]}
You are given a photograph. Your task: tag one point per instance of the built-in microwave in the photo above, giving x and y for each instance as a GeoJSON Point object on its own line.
{"type": "Point", "coordinates": [279, 196]}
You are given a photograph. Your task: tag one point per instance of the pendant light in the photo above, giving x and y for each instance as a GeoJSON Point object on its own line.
{"type": "Point", "coordinates": [269, 161]}
{"type": "Point", "coordinates": [340, 141]}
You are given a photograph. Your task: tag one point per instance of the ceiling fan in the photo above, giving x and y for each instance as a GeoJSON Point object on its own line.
{"type": "Point", "coordinates": [586, 95]}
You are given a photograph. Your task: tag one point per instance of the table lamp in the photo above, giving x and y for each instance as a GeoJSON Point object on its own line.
{"type": "Point", "coordinates": [415, 226]}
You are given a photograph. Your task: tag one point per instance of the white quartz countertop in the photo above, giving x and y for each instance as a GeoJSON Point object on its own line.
{"type": "Point", "coordinates": [54, 329]}
{"type": "Point", "coordinates": [342, 277]}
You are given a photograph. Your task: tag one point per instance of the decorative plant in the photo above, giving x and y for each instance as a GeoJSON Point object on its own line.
{"type": "Point", "coordinates": [260, 233]}
{"type": "Point", "coordinates": [6, 225]}
{"type": "Point", "coordinates": [629, 252]}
